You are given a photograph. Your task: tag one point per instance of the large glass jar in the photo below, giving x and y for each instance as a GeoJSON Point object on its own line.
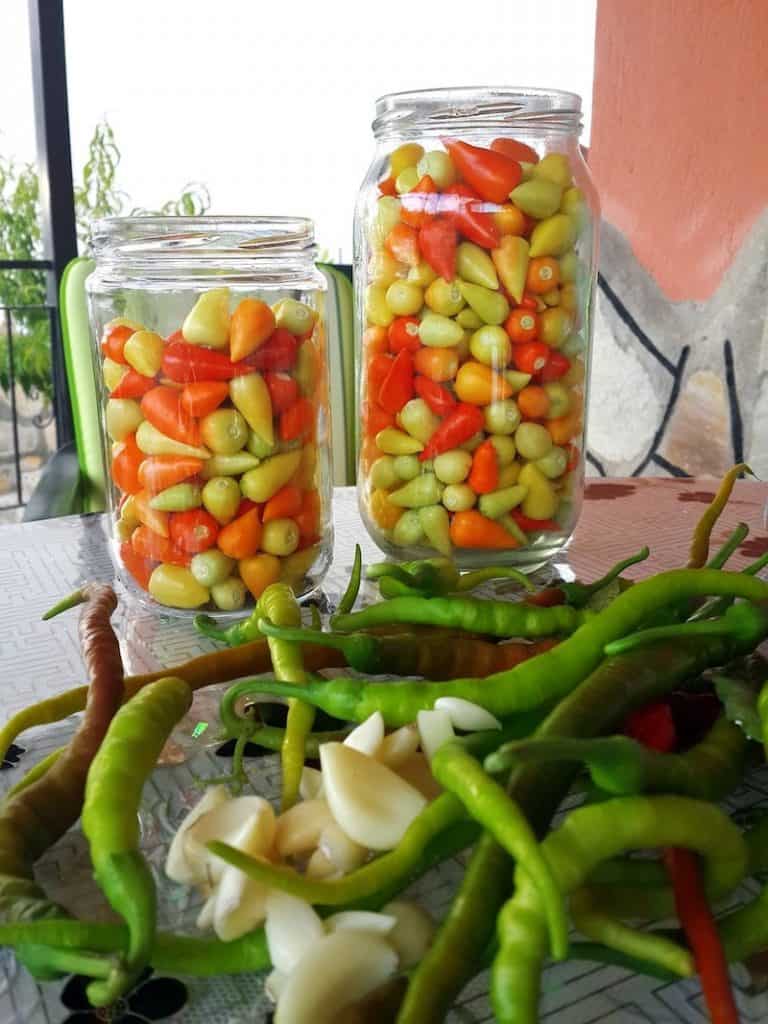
{"type": "Point", "coordinates": [475, 263]}
{"type": "Point", "coordinates": [209, 351]}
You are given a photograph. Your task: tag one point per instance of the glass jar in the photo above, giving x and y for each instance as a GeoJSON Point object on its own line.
{"type": "Point", "coordinates": [475, 267]}
{"type": "Point", "coordinates": [209, 348]}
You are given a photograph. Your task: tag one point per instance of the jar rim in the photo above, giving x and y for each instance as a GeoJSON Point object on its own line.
{"type": "Point", "coordinates": [477, 107]}
{"type": "Point", "coordinates": [202, 238]}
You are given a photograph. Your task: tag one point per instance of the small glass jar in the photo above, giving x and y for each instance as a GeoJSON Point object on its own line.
{"type": "Point", "coordinates": [209, 349]}
{"type": "Point", "coordinates": [475, 268]}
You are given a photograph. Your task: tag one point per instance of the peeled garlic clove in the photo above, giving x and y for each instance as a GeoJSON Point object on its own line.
{"type": "Point", "coordinates": [274, 983]}
{"type": "Point", "coordinates": [412, 933]}
{"type": "Point", "coordinates": [398, 746]}
{"type": "Point", "coordinates": [435, 729]}
{"type": "Point", "coordinates": [178, 866]}
{"type": "Point", "coordinates": [207, 323]}
{"type": "Point", "coordinates": [343, 853]}
{"type": "Point", "coordinates": [370, 803]}
{"type": "Point", "coordinates": [311, 784]}
{"type": "Point", "coordinates": [240, 904]}
{"type": "Point", "coordinates": [298, 829]}
{"type": "Point", "coordinates": [417, 773]}
{"type": "Point", "coordinates": [245, 822]}
{"type": "Point", "coordinates": [340, 969]}
{"type": "Point", "coordinates": [292, 928]}
{"type": "Point", "coordinates": [367, 736]}
{"type": "Point", "coordinates": [319, 866]}
{"type": "Point", "coordinates": [361, 921]}
{"type": "Point", "coordinates": [205, 917]}
{"type": "Point", "coordinates": [466, 715]}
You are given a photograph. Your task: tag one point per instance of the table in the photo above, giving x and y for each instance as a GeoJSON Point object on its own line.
{"type": "Point", "coordinates": [39, 562]}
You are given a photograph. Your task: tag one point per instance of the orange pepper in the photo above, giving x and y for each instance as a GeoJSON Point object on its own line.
{"type": "Point", "coordinates": [258, 571]}
{"type": "Point", "coordinates": [163, 408]}
{"type": "Point", "coordinates": [517, 150]}
{"type": "Point", "coordinates": [563, 428]}
{"type": "Point", "coordinates": [470, 529]}
{"type": "Point", "coordinates": [284, 505]}
{"type": "Point", "coordinates": [375, 419]}
{"type": "Point", "coordinates": [533, 402]}
{"type": "Point", "coordinates": [140, 568]}
{"type": "Point", "coordinates": [438, 364]}
{"type": "Point", "coordinates": [151, 547]}
{"type": "Point", "coordinates": [157, 472]}
{"type": "Point", "coordinates": [509, 220]}
{"type": "Point", "coordinates": [522, 325]}
{"type": "Point", "coordinates": [484, 474]}
{"type": "Point", "coordinates": [375, 341]}
{"type": "Point", "coordinates": [194, 531]}
{"type": "Point", "coordinates": [156, 520]}
{"type": "Point", "coordinates": [241, 538]}
{"type": "Point", "coordinates": [298, 421]}
{"type": "Point", "coordinates": [252, 324]}
{"type": "Point", "coordinates": [383, 512]}
{"type": "Point", "coordinates": [202, 397]}
{"type": "Point", "coordinates": [308, 519]}
{"type": "Point", "coordinates": [114, 341]}
{"type": "Point", "coordinates": [477, 384]}
{"type": "Point", "coordinates": [403, 242]}
{"type": "Point", "coordinates": [543, 275]}
{"type": "Point", "coordinates": [417, 206]}
{"type": "Point", "coordinates": [125, 465]}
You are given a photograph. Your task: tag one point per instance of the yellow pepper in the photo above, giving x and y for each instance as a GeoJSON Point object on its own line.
{"type": "Point", "coordinates": [261, 483]}
{"type": "Point", "coordinates": [553, 167]}
{"type": "Point", "coordinates": [479, 385]}
{"type": "Point", "coordinates": [113, 373]}
{"type": "Point", "coordinates": [540, 501]}
{"type": "Point", "coordinates": [553, 236]}
{"type": "Point", "coordinates": [407, 155]}
{"type": "Point", "coordinates": [383, 512]}
{"type": "Point", "coordinates": [258, 572]}
{"type": "Point", "coordinates": [176, 587]}
{"type": "Point", "coordinates": [228, 465]}
{"type": "Point", "coordinates": [207, 323]}
{"type": "Point", "coordinates": [123, 416]}
{"type": "Point", "coordinates": [511, 262]}
{"type": "Point", "coordinates": [395, 442]}
{"type": "Point", "coordinates": [250, 396]}
{"type": "Point", "coordinates": [490, 306]}
{"type": "Point", "coordinates": [473, 264]}
{"type": "Point", "coordinates": [152, 442]}
{"type": "Point", "coordinates": [538, 198]}
{"type": "Point", "coordinates": [144, 352]}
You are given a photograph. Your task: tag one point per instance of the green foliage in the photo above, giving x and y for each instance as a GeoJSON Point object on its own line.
{"type": "Point", "coordinates": [97, 195]}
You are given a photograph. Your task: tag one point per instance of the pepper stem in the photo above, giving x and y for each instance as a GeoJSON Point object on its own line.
{"type": "Point", "coordinates": [71, 601]}
{"type": "Point", "coordinates": [706, 627]}
{"type": "Point", "coordinates": [470, 580]}
{"type": "Point", "coordinates": [353, 587]}
{"type": "Point", "coordinates": [360, 649]}
{"type": "Point", "coordinates": [75, 961]}
{"type": "Point", "coordinates": [718, 560]}
{"type": "Point", "coordinates": [578, 594]}
{"type": "Point", "coordinates": [206, 625]}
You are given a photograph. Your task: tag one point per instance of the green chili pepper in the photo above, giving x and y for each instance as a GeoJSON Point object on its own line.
{"type": "Point", "coordinates": [347, 602]}
{"type": "Point", "coordinates": [721, 556]}
{"type": "Point", "coordinates": [578, 595]}
{"type": "Point", "coordinates": [455, 768]}
{"type": "Point", "coordinates": [492, 618]}
{"type": "Point", "coordinates": [703, 531]}
{"type": "Point", "coordinates": [539, 681]}
{"type": "Point", "coordinates": [622, 766]}
{"type": "Point", "coordinates": [278, 604]}
{"type": "Point", "coordinates": [433, 577]}
{"type": "Point", "coordinates": [741, 620]}
{"type": "Point", "coordinates": [587, 836]}
{"type": "Point", "coordinates": [110, 821]}
{"type": "Point", "coordinates": [601, 703]}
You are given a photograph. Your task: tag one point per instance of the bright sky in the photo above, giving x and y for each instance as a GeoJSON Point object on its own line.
{"type": "Point", "coordinates": [270, 104]}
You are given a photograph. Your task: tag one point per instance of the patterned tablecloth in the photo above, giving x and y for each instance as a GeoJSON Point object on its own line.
{"type": "Point", "coordinates": [39, 562]}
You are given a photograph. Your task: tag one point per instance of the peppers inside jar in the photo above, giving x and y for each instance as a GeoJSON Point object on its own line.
{"type": "Point", "coordinates": [476, 280]}
{"type": "Point", "coordinates": [214, 448]}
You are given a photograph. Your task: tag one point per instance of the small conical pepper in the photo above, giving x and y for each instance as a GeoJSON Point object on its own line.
{"type": "Point", "coordinates": [422, 490]}
{"type": "Point", "coordinates": [457, 427]}
{"type": "Point", "coordinates": [437, 527]}
{"type": "Point", "coordinates": [250, 396]}
{"type": "Point", "coordinates": [490, 306]}
{"type": "Point", "coordinates": [476, 266]}
{"type": "Point", "coordinates": [511, 262]}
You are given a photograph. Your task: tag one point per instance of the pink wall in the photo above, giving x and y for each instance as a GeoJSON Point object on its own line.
{"type": "Point", "coordinates": [679, 144]}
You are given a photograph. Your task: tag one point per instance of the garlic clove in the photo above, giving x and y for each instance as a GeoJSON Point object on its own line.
{"type": "Point", "coordinates": [367, 736]}
{"type": "Point", "coordinates": [361, 921]}
{"type": "Point", "coordinates": [398, 746]}
{"type": "Point", "coordinates": [435, 729]}
{"type": "Point", "coordinates": [412, 933]}
{"type": "Point", "coordinates": [466, 715]}
{"type": "Point", "coordinates": [311, 784]}
{"type": "Point", "coordinates": [298, 829]}
{"type": "Point", "coordinates": [343, 853]}
{"type": "Point", "coordinates": [417, 773]}
{"type": "Point", "coordinates": [178, 866]}
{"type": "Point", "coordinates": [292, 929]}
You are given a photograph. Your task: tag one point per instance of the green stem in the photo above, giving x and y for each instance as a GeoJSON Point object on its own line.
{"type": "Point", "coordinates": [72, 600]}
{"type": "Point", "coordinates": [360, 650]}
{"type": "Point", "coordinates": [353, 587]}
{"type": "Point", "coordinates": [738, 621]}
{"type": "Point", "coordinates": [470, 580]}
{"type": "Point", "coordinates": [206, 625]}
{"type": "Point", "coordinates": [718, 560]}
{"type": "Point", "coordinates": [579, 594]}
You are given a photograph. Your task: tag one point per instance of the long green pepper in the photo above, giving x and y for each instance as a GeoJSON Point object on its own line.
{"type": "Point", "coordinates": [110, 822]}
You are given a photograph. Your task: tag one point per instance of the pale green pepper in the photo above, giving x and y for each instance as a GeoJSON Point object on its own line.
{"type": "Point", "coordinates": [306, 370]}
{"type": "Point", "coordinates": [569, 266]}
{"type": "Point", "coordinates": [439, 166]}
{"type": "Point", "coordinates": [436, 525]}
{"type": "Point", "coordinates": [511, 262]}
{"type": "Point", "coordinates": [408, 529]}
{"type": "Point", "coordinates": [152, 442]}
{"type": "Point", "coordinates": [574, 205]}
{"type": "Point", "coordinates": [397, 442]}
{"type": "Point", "coordinates": [383, 473]}
{"type": "Point", "coordinates": [211, 567]}
{"type": "Point", "coordinates": [469, 319]}
{"type": "Point", "coordinates": [257, 446]}
{"type": "Point", "coordinates": [221, 496]}
{"type": "Point", "coordinates": [438, 331]}
{"type": "Point", "coordinates": [553, 236]}
{"type": "Point", "coordinates": [280, 537]}
{"type": "Point", "coordinates": [533, 441]}
{"type": "Point", "coordinates": [176, 587]}
{"type": "Point", "coordinates": [540, 501]}
{"type": "Point", "coordinates": [459, 497]}
{"type": "Point", "coordinates": [474, 442]}
{"type": "Point", "coordinates": [224, 431]}
{"type": "Point", "coordinates": [296, 317]}
{"type": "Point", "coordinates": [490, 306]}
{"type": "Point", "coordinates": [418, 419]}
{"type": "Point", "coordinates": [228, 465]}
{"type": "Point", "coordinates": [407, 155]}
{"type": "Point", "coordinates": [229, 595]}
{"type": "Point", "coordinates": [498, 503]}
{"type": "Point", "coordinates": [473, 264]}
{"type": "Point", "coordinates": [422, 274]}
{"type": "Point", "coordinates": [512, 528]}
{"type": "Point", "coordinates": [123, 416]}
{"type": "Point", "coordinates": [444, 297]}
{"type": "Point", "coordinates": [554, 463]}
{"type": "Point", "coordinates": [554, 326]}
{"type": "Point", "coordinates": [377, 308]}
{"type": "Point", "coordinates": [144, 352]}
{"type": "Point", "coordinates": [207, 323]}
{"type": "Point", "coordinates": [383, 268]}
{"type": "Point", "coordinates": [406, 467]}
{"type": "Point", "coordinates": [261, 483]}
{"type": "Point", "coordinates": [517, 380]}
{"type": "Point", "coordinates": [178, 498]}
{"type": "Point", "coordinates": [406, 180]}
{"type": "Point", "coordinates": [538, 198]}
{"type": "Point", "coordinates": [422, 490]}
{"type": "Point", "coordinates": [553, 167]}
{"type": "Point", "coordinates": [559, 399]}
{"type": "Point", "coordinates": [505, 449]}
{"type": "Point", "coordinates": [403, 298]}
{"type": "Point", "coordinates": [452, 467]}
{"type": "Point", "coordinates": [491, 345]}
{"type": "Point", "coordinates": [250, 396]}
{"type": "Point", "coordinates": [502, 416]}
{"type": "Point", "coordinates": [387, 214]}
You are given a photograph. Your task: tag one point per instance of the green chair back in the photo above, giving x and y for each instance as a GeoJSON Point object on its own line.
{"type": "Point", "coordinates": [83, 386]}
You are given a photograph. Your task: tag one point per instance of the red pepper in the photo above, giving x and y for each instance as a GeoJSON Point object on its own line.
{"type": "Point", "coordinates": [140, 568]}
{"type": "Point", "coordinates": [516, 150]}
{"type": "Point", "coordinates": [531, 356]}
{"type": "Point", "coordinates": [162, 407]}
{"type": "Point", "coordinates": [114, 342]}
{"type": "Point", "coordinates": [439, 399]}
{"type": "Point", "coordinates": [457, 427]}
{"type": "Point", "coordinates": [185, 363]}
{"type": "Point", "coordinates": [492, 174]}
{"type": "Point", "coordinates": [437, 242]}
{"type": "Point", "coordinates": [246, 505]}
{"type": "Point", "coordinates": [298, 421]}
{"type": "Point", "coordinates": [193, 531]}
{"type": "Point", "coordinates": [375, 419]}
{"type": "Point", "coordinates": [463, 207]}
{"type": "Point", "coordinates": [387, 187]}
{"type": "Point", "coordinates": [378, 368]}
{"type": "Point", "coordinates": [404, 333]}
{"type": "Point", "coordinates": [278, 353]}
{"type": "Point", "coordinates": [132, 385]}
{"type": "Point", "coordinates": [420, 205]}
{"type": "Point", "coordinates": [555, 367]}
{"type": "Point", "coordinates": [397, 387]}
{"type": "Point", "coordinates": [533, 525]}
{"type": "Point", "coordinates": [653, 726]}
{"type": "Point", "coordinates": [484, 475]}
{"type": "Point", "coordinates": [700, 930]}
{"type": "Point", "coordinates": [283, 390]}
